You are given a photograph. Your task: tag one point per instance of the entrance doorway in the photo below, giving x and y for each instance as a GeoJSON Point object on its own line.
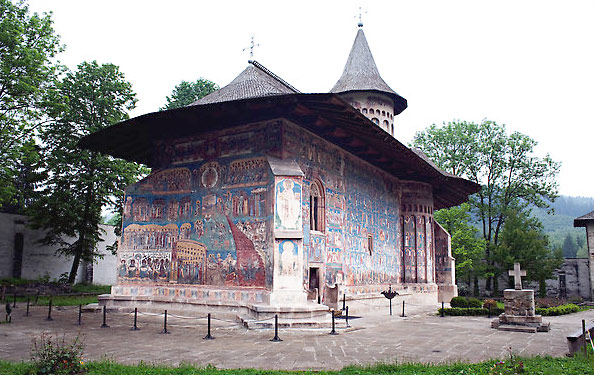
{"type": "Point", "coordinates": [314, 284]}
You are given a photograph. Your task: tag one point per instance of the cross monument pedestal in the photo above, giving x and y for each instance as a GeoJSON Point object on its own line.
{"type": "Point", "coordinates": [519, 312]}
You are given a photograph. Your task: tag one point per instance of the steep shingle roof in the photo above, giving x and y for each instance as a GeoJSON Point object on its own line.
{"type": "Point", "coordinates": [254, 82]}
{"type": "Point", "coordinates": [582, 221]}
{"type": "Point", "coordinates": [361, 74]}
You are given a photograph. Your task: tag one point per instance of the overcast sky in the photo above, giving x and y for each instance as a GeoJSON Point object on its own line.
{"type": "Point", "coordinates": [527, 64]}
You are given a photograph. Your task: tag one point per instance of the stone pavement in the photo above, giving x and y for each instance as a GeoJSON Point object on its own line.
{"type": "Point", "coordinates": [421, 336]}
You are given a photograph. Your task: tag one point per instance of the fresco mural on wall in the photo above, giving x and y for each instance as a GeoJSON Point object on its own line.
{"type": "Point", "coordinates": [288, 204]}
{"type": "Point", "coordinates": [211, 220]}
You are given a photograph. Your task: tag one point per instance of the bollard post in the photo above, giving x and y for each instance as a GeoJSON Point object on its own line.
{"type": "Point", "coordinates": [208, 335]}
{"type": "Point", "coordinates": [104, 325]}
{"type": "Point", "coordinates": [36, 297]}
{"type": "Point", "coordinates": [276, 338]}
{"type": "Point", "coordinates": [390, 307]}
{"type": "Point", "coordinates": [49, 310]}
{"type": "Point", "coordinates": [403, 309]}
{"type": "Point", "coordinates": [165, 324]}
{"type": "Point", "coordinates": [333, 332]}
{"type": "Point", "coordinates": [584, 335]}
{"type": "Point", "coordinates": [489, 311]}
{"type": "Point", "coordinates": [442, 309]}
{"type": "Point", "coordinates": [28, 303]}
{"type": "Point", "coordinates": [347, 317]}
{"type": "Point", "coordinates": [343, 301]}
{"type": "Point", "coordinates": [79, 315]}
{"type": "Point", "coordinates": [134, 327]}
{"type": "Point", "coordinates": [14, 300]}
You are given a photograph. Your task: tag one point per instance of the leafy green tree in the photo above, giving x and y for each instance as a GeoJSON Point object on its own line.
{"type": "Point", "coordinates": [187, 93]}
{"type": "Point", "coordinates": [512, 177]}
{"type": "Point", "coordinates": [81, 182]}
{"type": "Point", "coordinates": [523, 240]}
{"type": "Point", "coordinates": [468, 248]}
{"type": "Point", "coordinates": [28, 44]}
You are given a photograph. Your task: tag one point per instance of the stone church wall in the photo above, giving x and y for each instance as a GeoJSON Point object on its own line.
{"type": "Point", "coordinates": [362, 246]}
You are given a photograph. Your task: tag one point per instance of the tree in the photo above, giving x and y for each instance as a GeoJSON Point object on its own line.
{"type": "Point", "coordinates": [512, 177]}
{"type": "Point", "coordinates": [28, 44]}
{"type": "Point", "coordinates": [523, 240]}
{"type": "Point", "coordinates": [187, 93]}
{"type": "Point", "coordinates": [570, 247]}
{"type": "Point", "coordinates": [468, 247]}
{"type": "Point", "coordinates": [80, 182]}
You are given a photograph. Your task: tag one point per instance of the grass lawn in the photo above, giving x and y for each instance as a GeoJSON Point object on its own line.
{"type": "Point", "coordinates": [535, 365]}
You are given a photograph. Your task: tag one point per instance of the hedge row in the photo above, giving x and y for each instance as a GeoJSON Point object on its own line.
{"type": "Point", "coordinates": [558, 310]}
{"type": "Point", "coordinates": [470, 311]}
{"type": "Point", "coordinates": [466, 302]}
{"type": "Point", "coordinates": [474, 311]}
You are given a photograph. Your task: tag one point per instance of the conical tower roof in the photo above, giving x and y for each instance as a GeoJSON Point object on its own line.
{"type": "Point", "coordinates": [361, 74]}
{"type": "Point", "coordinates": [254, 82]}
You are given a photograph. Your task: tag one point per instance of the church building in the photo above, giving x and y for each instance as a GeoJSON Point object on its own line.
{"type": "Point", "coordinates": [263, 199]}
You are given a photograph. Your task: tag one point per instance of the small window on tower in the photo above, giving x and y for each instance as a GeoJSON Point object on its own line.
{"type": "Point", "coordinates": [364, 111]}
{"type": "Point", "coordinates": [375, 121]}
{"type": "Point", "coordinates": [370, 243]}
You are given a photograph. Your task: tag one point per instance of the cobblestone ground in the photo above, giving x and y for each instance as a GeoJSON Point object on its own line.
{"type": "Point", "coordinates": [375, 337]}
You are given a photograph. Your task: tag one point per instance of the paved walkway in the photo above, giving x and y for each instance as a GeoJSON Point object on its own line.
{"type": "Point", "coordinates": [375, 337]}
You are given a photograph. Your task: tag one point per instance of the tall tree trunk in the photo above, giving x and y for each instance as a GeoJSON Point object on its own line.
{"type": "Point", "coordinates": [82, 231]}
{"type": "Point", "coordinates": [476, 290]}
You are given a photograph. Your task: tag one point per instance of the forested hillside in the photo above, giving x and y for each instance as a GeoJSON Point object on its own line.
{"type": "Point", "coordinates": [559, 226]}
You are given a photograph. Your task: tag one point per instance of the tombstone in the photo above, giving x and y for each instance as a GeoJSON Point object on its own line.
{"type": "Point", "coordinates": [519, 315]}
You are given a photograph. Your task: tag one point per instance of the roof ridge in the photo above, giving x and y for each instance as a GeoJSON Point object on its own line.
{"type": "Point", "coordinates": [271, 74]}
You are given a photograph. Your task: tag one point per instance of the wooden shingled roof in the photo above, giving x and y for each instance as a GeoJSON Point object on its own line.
{"type": "Point", "coordinates": [361, 74]}
{"type": "Point", "coordinates": [326, 115]}
{"type": "Point", "coordinates": [583, 221]}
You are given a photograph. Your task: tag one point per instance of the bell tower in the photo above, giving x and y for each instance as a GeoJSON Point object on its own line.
{"type": "Point", "coordinates": [362, 87]}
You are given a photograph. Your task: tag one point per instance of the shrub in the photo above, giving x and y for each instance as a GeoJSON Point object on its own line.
{"type": "Point", "coordinates": [490, 303]}
{"type": "Point", "coordinates": [558, 310]}
{"type": "Point", "coordinates": [57, 357]}
{"type": "Point", "coordinates": [464, 302]}
{"type": "Point", "coordinates": [458, 302]}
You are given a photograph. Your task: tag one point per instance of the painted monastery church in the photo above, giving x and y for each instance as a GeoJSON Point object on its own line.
{"type": "Point", "coordinates": [264, 199]}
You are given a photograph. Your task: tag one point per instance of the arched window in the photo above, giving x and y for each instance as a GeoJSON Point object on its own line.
{"type": "Point", "coordinates": [392, 129]}
{"type": "Point", "coordinates": [371, 111]}
{"type": "Point", "coordinates": [316, 206]}
{"type": "Point", "coordinates": [375, 120]}
{"type": "Point", "coordinates": [364, 111]}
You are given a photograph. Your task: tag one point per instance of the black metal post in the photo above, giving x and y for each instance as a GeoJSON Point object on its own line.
{"type": "Point", "coordinates": [390, 307]}
{"type": "Point", "coordinates": [135, 328]}
{"type": "Point", "coordinates": [347, 317]}
{"type": "Point", "coordinates": [165, 324]}
{"type": "Point", "coordinates": [37, 297]}
{"type": "Point", "coordinates": [104, 325]}
{"type": "Point", "coordinates": [403, 309]}
{"type": "Point", "coordinates": [333, 332]}
{"type": "Point", "coordinates": [208, 335]}
{"type": "Point", "coordinates": [276, 338]}
{"type": "Point", "coordinates": [28, 303]}
{"type": "Point", "coordinates": [343, 301]}
{"type": "Point", "coordinates": [489, 307]}
{"type": "Point", "coordinates": [14, 300]}
{"type": "Point", "coordinates": [79, 315]}
{"type": "Point", "coordinates": [49, 310]}
{"type": "Point", "coordinates": [442, 309]}
{"type": "Point", "coordinates": [584, 335]}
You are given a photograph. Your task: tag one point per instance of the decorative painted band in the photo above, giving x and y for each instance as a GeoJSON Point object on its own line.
{"type": "Point", "coordinates": [251, 295]}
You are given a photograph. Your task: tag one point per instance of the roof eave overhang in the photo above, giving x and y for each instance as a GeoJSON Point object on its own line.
{"type": "Point", "coordinates": [325, 115]}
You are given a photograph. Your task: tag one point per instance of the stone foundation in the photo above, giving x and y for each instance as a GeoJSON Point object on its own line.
{"type": "Point", "coordinates": [519, 313]}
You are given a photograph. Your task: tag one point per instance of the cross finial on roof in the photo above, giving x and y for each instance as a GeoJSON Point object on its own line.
{"type": "Point", "coordinates": [360, 24]}
{"type": "Point", "coordinates": [251, 48]}
{"type": "Point", "coordinates": [517, 274]}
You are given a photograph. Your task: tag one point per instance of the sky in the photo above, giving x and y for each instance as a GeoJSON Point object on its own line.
{"type": "Point", "coordinates": [527, 64]}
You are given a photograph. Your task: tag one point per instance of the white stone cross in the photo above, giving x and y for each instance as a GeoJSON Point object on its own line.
{"type": "Point", "coordinates": [251, 48]}
{"type": "Point", "coordinates": [517, 274]}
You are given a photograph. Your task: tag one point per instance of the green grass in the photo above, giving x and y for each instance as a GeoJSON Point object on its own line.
{"type": "Point", "coordinates": [534, 365]}
{"type": "Point", "coordinates": [90, 288]}
{"type": "Point", "coordinates": [56, 300]}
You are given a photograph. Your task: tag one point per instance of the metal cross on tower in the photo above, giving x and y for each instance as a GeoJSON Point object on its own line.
{"type": "Point", "coordinates": [251, 48]}
{"type": "Point", "coordinates": [517, 274]}
{"type": "Point", "coordinates": [360, 24]}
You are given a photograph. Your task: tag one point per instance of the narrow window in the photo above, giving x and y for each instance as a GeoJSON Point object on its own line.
{"type": "Point", "coordinates": [316, 207]}
{"type": "Point", "coordinates": [370, 243]}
